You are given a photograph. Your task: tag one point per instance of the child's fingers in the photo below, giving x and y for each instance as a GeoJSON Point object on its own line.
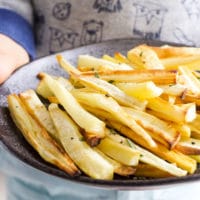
{"type": "Point", "coordinates": [7, 66]}
{"type": "Point", "coordinates": [12, 56]}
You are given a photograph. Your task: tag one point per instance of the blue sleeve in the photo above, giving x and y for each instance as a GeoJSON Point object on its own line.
{"type": "Point", "coordinates": [17, 28]}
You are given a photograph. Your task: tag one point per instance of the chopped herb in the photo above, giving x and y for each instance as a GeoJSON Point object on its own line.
{"type": "Point", "coordinates": [71, 138]}
{"type": "Point", "coordinates": [121, 141]}
{"type": "Point", "coordinates": [107, 95]}
{"type": "Point", "coordinates": [141, 53]}
{"type": "Point", "coordinates": [193, 143]}
{"type": "Point", "coordinates": [130, 143]}
{"type": "Point", "coordinates": [82, 139]}
{"type": "Point", "coordinates": [112, 131]}
{"type": "Point", "coordinates": [96, 74]}
{"type": "Point", "coordinates": [141, 155]}
{"type": "Point", "coordinates": [111, 81]}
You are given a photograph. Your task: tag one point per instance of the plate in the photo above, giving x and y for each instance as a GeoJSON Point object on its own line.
{"type": "Point", "coordinates": [25, 78]}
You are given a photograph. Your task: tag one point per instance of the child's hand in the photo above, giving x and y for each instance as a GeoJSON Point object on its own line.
{"type": "Point", "coordinates": [12, 56]}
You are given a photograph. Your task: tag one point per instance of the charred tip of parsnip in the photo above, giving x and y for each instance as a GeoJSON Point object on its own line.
{"type": "Point", "coordinates": [40, 75]}
{"type": "Point", "coordinates": [185, 94]}
{"type": "Point", "coordinates": [92, 140]}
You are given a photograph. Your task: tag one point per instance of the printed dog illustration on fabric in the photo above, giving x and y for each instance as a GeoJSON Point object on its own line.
{"type": "Point", "coordinates": [92, 31]}
{"type": "Point", "coordinates": [107, 5]}
{"type": "Point", "coordinates": [61, 40]}
{"type": "Point", "coordinates": [148, 20]}
{"type": "Point", "coordinates": [62, 10]}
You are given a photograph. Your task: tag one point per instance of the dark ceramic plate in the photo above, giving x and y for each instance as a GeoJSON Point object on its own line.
{"type": "Point", "coordinates": [25, 78]}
